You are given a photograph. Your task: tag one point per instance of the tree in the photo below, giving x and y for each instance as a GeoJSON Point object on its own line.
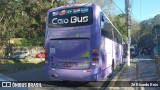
{"type": "Point", "coordinates": [25, 19]}
{"type": "Point", "coordinates": [135, 29]}
{"type": "Point", "coordinates": [119, 22]}
{"type": "Point", "coordinates": [147, 35]}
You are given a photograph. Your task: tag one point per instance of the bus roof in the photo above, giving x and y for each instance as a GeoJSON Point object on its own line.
{"type": "Point", "coordinates": [70, 6]}
{"type": "Point", "coordinates": [81, 5]}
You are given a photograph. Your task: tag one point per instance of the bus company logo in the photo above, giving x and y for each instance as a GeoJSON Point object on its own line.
{"type": "Point", "coordinates": [84, 10]}
{"type": "Point", "coordinates": [6, 84]}
{"type": "Point", "coordinates": [69, 11]}
{"type": "Point", "coordinates": [60, 21]}
{"type": "Point", "coordinates": [77, 10]}
{"type": "Point", "coordinates": [74, 19]}
{"type": "Point", "coordinates": [55, 13]}
{"type": "Point", "coordinates": [63, 12]}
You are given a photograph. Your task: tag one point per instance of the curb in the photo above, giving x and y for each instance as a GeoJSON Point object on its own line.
{"type": "Point", "coordinates": [112, 84]}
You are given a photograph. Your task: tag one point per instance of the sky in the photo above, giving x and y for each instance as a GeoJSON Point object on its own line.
{"type": "Point", "coordinates": [141, 9]}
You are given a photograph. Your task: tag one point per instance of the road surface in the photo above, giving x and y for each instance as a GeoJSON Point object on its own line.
{"type": "Point", "coordinates": [38, 74]}
{"type": "Point", "coordinates": [141, 69]}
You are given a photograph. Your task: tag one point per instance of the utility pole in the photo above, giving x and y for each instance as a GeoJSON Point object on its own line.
{"type": "Point", "coordinates": [128, 25]}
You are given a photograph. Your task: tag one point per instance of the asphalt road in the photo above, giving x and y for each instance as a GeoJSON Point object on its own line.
{"type": "Point", "coordinates": [146, 71]}
{"type": "Point", "coordinates": [38, 74]}
{"type": "Point", "coordinates": [141, 69]}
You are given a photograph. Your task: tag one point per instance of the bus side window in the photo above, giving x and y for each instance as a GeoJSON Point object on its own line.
{"type": "Point", "coordinates": [106, 29]}
{"type": "Point", "coordinates": [103, 32]}
{"type": "Point", "coordinates": [102, 22]}
{"type": "Point", "coordinates": [117, 36]}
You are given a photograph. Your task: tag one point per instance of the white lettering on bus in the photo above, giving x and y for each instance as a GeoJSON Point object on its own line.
{"type": "Point", "coordinates": [53, 21]}
{"type": "Point", "coordinates": [66, 20]}
{"type": "Point", "coordinates": [75, 19]}
{"type": "Point", "coordinates": [60, 21]}
{"type": "Point", "coordinates": [85, 19]}
{"type": "Point", "coordinates": [79, 19]}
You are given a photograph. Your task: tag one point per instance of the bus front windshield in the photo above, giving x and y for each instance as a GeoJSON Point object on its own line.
{"type": "Point", "coordinates": [70, 17]}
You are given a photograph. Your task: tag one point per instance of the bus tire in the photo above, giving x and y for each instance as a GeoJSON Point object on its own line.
{"type": "Point", "coordinates": [112, 66]}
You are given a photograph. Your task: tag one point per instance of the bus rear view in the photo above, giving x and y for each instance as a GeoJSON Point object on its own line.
{"type": "Point", "coordinates": [68, 43]}
{"type": "Point", "coordinates": [74, 44]}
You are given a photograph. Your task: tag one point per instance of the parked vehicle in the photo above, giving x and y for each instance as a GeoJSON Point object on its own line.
{"type": "Point", "coordinates": [133, 52]}
{"type": "Point", "coordinates": [40, 55]}
{"type": "Point", "coordinates": [20, 55]}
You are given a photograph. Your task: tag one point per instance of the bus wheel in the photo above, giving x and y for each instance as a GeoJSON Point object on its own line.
{"type": "Point", "coordinates": [112, 66]}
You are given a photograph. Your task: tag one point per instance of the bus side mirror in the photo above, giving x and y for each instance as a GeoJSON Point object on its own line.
{"type": "Point", "coordinates": [102, 19]}
{"type": "Point", "coordinates": [102, 22]}
{"type": "Point", "coordinates": [102, 25]}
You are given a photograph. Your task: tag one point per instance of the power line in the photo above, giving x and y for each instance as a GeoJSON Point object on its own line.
{"type": "Point", "coordinates": [118, 7]}
{"type": "Point", "coordinates": [115, 5]}
{"type": "Point", "coordinates": [135, 16]}
{"type": "Point", "coordinates": [130, 10]}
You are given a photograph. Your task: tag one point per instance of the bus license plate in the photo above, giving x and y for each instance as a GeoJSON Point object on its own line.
{"type": "Point", "coordinates": [68, 64]}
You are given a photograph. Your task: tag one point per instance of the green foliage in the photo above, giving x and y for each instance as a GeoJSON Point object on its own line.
{"type": "Point", "coordinates": [11, 68]}
{"type": "Point", "coordinates": [25, 19]}
{"type": "Point", "coordinates": [23, 42]}
{"type": "Point", "coordinates": [147, 33]}
{"type": "Point", "coordinates": [7, 62]}
{"type": "Point", "coordinates": [119, 22]}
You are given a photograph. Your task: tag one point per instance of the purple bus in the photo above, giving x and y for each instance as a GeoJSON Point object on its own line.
{"type": "Point", "coordinates": [81, 44]}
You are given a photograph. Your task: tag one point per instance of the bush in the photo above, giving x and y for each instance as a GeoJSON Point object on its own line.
{"type": "Point", "coordinates": [7, 62]}
{"type": "Point", "coordinates": [23, 42]}
{"type": "Point", "coordinates": [9, 66]}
